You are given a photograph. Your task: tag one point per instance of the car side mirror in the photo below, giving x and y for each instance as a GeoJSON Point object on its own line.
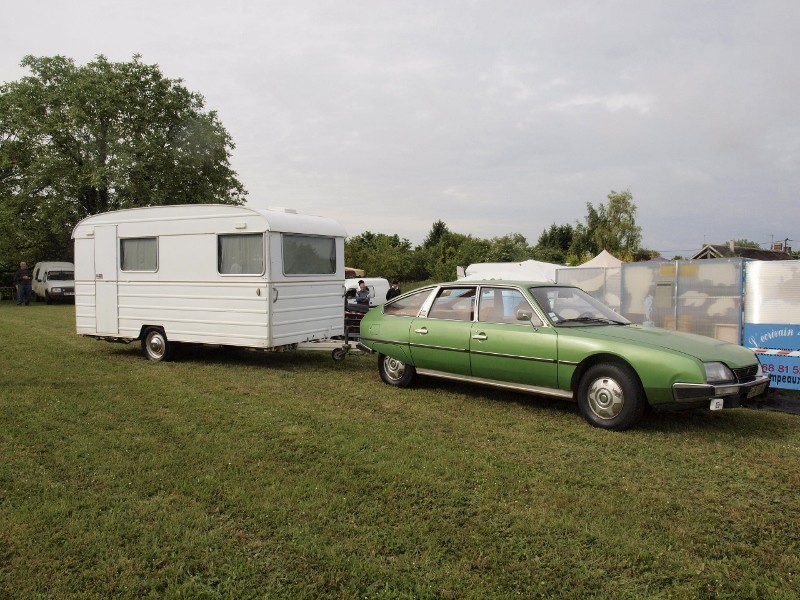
{"type": "Point", "coordinates": [527, 315]}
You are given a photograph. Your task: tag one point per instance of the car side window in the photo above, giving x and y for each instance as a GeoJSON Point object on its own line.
{"type": "Point", "coordinates": [457, 304]}
{"type": "Point", "coordinates": [408, 305]}
{"type": "Point", "coordinates": [501, 305]}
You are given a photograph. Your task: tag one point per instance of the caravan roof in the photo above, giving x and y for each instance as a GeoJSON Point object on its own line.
{"type": "Point", "coordinates": [257, 219]}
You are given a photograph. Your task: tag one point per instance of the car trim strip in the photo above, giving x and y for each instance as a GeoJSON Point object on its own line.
{"type": "Point", "coordinates": [528, 358]}
{"type": "Point", "coordinates": [519, 387]}
{"type": "Point", "coordinates": [432, 347]}
{"type": "Point", "coordinates": [476, 352]}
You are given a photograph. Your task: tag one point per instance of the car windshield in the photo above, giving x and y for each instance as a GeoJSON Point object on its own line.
{"type": "Point", "coordinates": [60, 276]}
{"type": "Point", "coordinates": [571, 307]}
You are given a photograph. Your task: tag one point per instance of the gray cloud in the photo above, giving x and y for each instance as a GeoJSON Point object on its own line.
{"type": "Point", "coordinates": [495, 117]}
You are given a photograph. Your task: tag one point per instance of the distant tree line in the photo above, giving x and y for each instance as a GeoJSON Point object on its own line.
{"type": "Point", "coordinates": [610, 226]}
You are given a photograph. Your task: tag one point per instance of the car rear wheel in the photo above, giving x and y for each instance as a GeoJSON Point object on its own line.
{"type": "Point", "coordinates": [395, 372]}
{"type": "Point", "coordinates": [611, 397]}
{"type": "Point", "coordinates": [155, 345]}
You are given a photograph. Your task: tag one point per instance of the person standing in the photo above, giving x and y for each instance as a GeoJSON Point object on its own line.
{"type": "Point", "coordinates": [22, 279]}
{"type": "Point", "coordinates": [394, 291]}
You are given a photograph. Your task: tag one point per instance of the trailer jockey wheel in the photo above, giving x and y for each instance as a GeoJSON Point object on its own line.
{"type": "Point", "coordinates": [339, 354]}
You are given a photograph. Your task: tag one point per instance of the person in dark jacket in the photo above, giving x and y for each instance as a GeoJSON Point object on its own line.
{"type": "Point", "coordinates": [394, 291]}
{"type": "Point", "coordinates": [22, 279]}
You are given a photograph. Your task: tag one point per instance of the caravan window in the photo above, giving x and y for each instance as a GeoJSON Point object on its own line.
{"type": "Point", "coordinates": [309, 255]}
{"type": "Point", "coordinates": [138, 254]}
{"type": "Point", "coordinates": [240, 254]}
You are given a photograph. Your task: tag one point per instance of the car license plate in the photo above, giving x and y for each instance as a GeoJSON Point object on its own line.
{"type": "Point", "coordinates": [756, 391]}
{"type": "Point", "coordinates": [717, 404]}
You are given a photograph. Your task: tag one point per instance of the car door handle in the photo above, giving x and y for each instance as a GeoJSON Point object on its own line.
{"type": "Point", "coordinates": [480, 336]}
{"type": "Point", "coordinates": [422, 330]}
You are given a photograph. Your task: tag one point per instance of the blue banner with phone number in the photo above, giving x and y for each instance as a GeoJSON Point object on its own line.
{"type": "Point", "coordinates": [778, 349]}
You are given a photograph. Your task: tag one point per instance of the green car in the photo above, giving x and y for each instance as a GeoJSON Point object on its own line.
{"type": "Point", "coordinates": [558, 341]}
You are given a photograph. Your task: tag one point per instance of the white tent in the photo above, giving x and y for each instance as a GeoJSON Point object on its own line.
{"type": "Point", "coordinates": [529, 270]}
{"type": "Point", "coordinates": [604, 259]}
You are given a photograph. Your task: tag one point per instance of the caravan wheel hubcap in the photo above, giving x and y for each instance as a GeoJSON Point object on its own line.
{"type": "Point", "coordinates": [156, 345]}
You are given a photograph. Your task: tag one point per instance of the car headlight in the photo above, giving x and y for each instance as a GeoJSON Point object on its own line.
{"type": "Point", "coordinates": [716, 372]}
{"type": "Point", "coordinates": [55, 290]}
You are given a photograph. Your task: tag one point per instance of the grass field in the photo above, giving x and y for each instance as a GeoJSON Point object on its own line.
{"type": "Point", "coordinates": [230, 474]}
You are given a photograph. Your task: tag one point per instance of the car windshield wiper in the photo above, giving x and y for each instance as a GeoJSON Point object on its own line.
{"type": "Point", "coordinates": [598, 320]}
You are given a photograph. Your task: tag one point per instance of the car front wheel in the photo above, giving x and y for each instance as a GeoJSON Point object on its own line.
{"type": "Point", "coordinates": [395, 372]}
{"type": "Point", "coordinates": [611, 397]}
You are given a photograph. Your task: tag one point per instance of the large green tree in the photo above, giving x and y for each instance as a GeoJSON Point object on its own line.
{"type": "Point", "coordinates": [554, 244]}
{"type": "Point", "coordinates": [610, 227]}
{"type": "Point", "coordinates": [512, 247]}
{"type": "Point", "coordinates": [381, 255]}
{"type": "Point", "coordinates": [79, 140]}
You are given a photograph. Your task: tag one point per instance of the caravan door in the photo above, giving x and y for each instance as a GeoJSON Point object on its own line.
{"type": "Point", "coordinates": [105, 279]}
{"type": "Point", "coordinates": [306, 295]}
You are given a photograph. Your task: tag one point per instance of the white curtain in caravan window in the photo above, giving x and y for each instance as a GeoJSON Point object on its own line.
{"type": "Point", "coordinates": [138, 254]}
{"type": "Point", "coordinates": [241, 254]}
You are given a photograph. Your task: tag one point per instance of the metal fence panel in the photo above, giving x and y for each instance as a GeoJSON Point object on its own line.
{"type": "Point", "coordinates": [699, 296]}
{"type": "Point", "coordinates": [603, 283]}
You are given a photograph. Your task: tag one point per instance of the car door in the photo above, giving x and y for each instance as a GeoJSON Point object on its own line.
{"type": "Point", "coordinates": [504, 348]}
{"type": "Point", "coordinates": [440, 340]}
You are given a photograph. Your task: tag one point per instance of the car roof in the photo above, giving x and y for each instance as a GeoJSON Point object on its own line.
{"type": "Point", "coordinates": [519, 283]}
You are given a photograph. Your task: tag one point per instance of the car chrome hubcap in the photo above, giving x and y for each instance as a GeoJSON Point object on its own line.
{"type": "Point", "coordinates": [605, 398]}
{"type": "Point", "coordinates": [394, 368]}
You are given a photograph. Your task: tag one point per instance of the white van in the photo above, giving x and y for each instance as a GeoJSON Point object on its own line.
{"type": "Point", "coordinates": [209, 274]}
{"type": "Point", "coordinates": [377, 289]}
{"type": "Point", "coordinates": [53, 281]}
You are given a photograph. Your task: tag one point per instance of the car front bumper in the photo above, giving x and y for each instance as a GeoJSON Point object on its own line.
{"type": "Point", "coordinates": [732, 394]}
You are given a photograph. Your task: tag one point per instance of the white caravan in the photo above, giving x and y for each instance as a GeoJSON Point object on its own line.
{"type": "Point", "coordinates": [209, 274]}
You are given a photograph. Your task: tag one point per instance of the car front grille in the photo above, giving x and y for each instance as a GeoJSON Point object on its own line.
{"type": "Point", "coordinates": [745, 374]}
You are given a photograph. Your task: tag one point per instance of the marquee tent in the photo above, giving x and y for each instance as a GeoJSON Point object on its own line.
{"type": "Point", "coordinates": [529, 270]}
{"type": "Point", "coordinates": [604, 259]}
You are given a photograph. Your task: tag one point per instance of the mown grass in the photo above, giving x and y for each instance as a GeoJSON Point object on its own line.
{"type": "Point", "coordinates": [229, 474]}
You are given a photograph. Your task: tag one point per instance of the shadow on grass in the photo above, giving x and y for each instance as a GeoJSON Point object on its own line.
{"type": "Point", "coordinates": [736, 423]}
{"type": "Point", "coordinates": [747, 422]}
{"type": "Point", "coordinates": [489, 394]}
{"type": "Point", "coordinates": [200, 354]}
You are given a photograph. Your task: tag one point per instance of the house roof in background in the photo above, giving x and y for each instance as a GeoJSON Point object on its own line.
{"type": "Point", "coordinates": [726, 251]}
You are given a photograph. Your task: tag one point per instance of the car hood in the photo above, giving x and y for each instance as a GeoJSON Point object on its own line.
{"type": "Point", "coordinates": [699, 346]}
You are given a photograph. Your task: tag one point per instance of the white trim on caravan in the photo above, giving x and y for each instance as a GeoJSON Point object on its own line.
{"type": "Point", "coordinates": [209, 274]}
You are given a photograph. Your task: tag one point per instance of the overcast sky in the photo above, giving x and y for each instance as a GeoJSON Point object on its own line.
{"type": "Point", "coordinates": [495, 117]}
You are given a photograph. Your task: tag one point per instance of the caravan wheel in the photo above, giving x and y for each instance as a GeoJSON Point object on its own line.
{"type": "Point", "coordinates": [155, 345]}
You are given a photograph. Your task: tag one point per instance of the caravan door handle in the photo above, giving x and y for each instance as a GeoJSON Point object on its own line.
{"type": "Point", "coordinates": [274, 295]}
